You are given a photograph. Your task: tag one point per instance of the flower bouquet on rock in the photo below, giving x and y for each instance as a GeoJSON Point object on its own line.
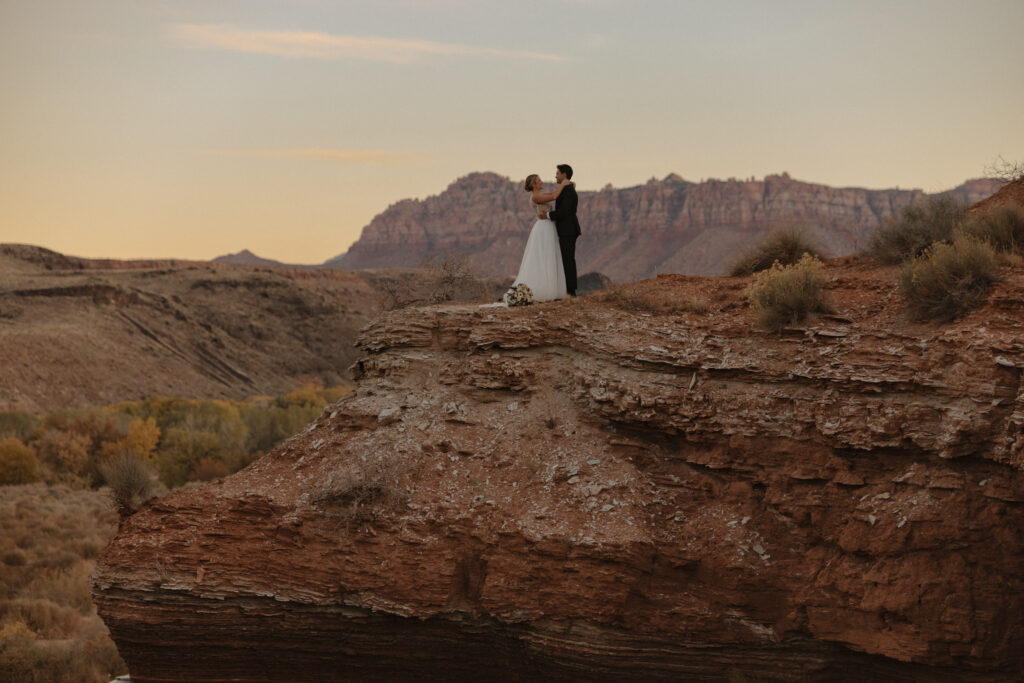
{"type": "Point", "coordinates": [520, 295]}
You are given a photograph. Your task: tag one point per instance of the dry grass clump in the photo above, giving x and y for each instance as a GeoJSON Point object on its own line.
{"type": "Point", "coordinates": [916, 228]}
{"type": "Point", "coordinates": [363, 488]}
{"type": "Point", "coordinates": [132, 482]}
{"type": "Point", "coordinates": [785, 295]}
{"type": "Point", "coordinates": [634, 297]}
{"type": "Point", "coordinates": [1001, 227]}
{"type": "Point", "coordinates": [948, 280]}
{"type": "Point", "coordinates": [786, 246]}
{"type": "Point", "coordinates": [49, 629]}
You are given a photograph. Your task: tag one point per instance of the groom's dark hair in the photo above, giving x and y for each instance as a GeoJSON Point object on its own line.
{"type": "Point", "coordinates": [566, 169]}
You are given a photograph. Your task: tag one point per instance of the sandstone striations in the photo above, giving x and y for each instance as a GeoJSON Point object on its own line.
{"type": "Point", "coordinates": [666, 226]}
{"type": "Point", "coordinates": [573, 491]}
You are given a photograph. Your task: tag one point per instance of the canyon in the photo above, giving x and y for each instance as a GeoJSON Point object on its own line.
{"type": "Point", "coordinates": [81, 332]}
{"type": "Point", "coordinates": [589, 490]}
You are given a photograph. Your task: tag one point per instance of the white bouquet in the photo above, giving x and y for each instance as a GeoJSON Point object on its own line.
{"type": "Point", "coordinates": [520, 295]}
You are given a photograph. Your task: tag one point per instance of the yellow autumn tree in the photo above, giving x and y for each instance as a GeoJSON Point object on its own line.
{"type": "Point", "coordinates": [18, 463]}
{"type": "Point", "coordinates": [142, 439]}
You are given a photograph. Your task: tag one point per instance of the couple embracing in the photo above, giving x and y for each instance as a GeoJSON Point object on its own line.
{"type": "Point", "coordinates": [549, 260]}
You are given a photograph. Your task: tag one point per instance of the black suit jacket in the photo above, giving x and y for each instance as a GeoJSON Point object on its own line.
{"type": "Point", "coordinates": [564, 215]}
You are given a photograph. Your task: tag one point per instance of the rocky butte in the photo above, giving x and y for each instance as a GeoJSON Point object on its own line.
{"type": "Point", "coordinates": [664, 226]}
{"type": "Point", "coordinates": [584, 490]}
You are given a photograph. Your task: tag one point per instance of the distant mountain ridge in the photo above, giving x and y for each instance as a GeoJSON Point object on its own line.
{"type": "Point", "coordinates": [247, 258]}
{"type": "Point", "coordinates": [668, 225]}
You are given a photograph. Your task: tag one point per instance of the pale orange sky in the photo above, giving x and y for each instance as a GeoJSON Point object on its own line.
{"type": "Point", "coordinates": [141, 128]}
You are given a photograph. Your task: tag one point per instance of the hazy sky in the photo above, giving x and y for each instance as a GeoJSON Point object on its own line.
{"type": "Point", "coordinates": [140, 128]}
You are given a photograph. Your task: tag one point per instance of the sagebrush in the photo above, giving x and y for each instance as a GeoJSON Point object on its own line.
{"type": "Point", "coordinates": [785, 295]}
{"type": "Point", "coordinates": [132, 482]}
{"type": "Point", "coordinates": [786, 246]}
{"type": "Point", "coordinates": [916, 228]}
{"type": "Point", "coordinates": [1001, 227]}
{"type": "Point", "coordinates": [948, 280]}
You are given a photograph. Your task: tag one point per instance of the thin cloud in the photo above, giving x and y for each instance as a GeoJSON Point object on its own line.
{"type": "Point", "coordinates": [351, 156]}
{"type": "Point", "coordinates": [326, 46]}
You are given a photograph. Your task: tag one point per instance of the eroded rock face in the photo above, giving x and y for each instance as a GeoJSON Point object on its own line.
{"type": "Point", "coordinates": [572, 491]}
{"type": "Point", "coordinates": [663, 226]}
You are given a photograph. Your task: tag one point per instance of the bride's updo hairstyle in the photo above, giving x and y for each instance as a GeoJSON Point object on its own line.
{"type": "Point", "coordinates": [528, 185]}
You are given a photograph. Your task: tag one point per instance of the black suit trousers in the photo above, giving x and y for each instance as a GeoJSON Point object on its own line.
{"type": "Point", "coordinates": [567, 243]}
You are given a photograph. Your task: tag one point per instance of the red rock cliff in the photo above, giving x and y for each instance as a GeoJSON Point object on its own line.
{"type": "Point", "coordinates": [573, 492]}
{"type": "Point", "coordinates": [666, 226]}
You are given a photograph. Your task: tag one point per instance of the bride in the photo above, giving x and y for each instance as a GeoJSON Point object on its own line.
{"type": "Point", "coordinates": [541, 269]}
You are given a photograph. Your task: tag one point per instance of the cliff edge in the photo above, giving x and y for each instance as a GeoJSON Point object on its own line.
{"type": "Point", "coordinates": [577, 491]}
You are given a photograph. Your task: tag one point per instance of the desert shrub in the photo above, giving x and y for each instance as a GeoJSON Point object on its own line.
{"type": "Point", "coordinates": [15, 557]}
{"type": "Point", "coordinates": [915, 229]}
{"type": "Point", "coordinates": [24, 658]}
{"type": "Point", "coordinates": [132, 482]}
{"type": "Point", "coordinates": [45, 618]}
{"type": "Point", "coordinates": [439, 279]}
{"type": "Point", "coordinates": [456, 280]}
{"type": "Point", "coordinates": [948, 280]}
{"type": "Point", "coordinates": [362, 488]}
{"type": "Point", "coordinates": [1001, 227]}
{"type": "Point", "coordinates": [49, 630]}
{"type": "Point", "coordinates": [18, 464]}
{"type": "Point", "coordinates": [786, 246]}
{"type": "Point", "coordinates": [18, 424]}
{"type": "Point", "coordinates": [1009, 171]}
{"type": "Point", "coordinates": [784, 295]}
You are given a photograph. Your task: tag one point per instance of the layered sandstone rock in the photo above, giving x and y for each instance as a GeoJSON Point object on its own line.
{"type": "Point", "coordinates": [573, 491]}
{"type": "Point", "coordinates": [666, 226]}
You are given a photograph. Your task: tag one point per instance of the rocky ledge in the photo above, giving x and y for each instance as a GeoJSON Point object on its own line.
{"type": "Point", "coordinates": [576, 491]}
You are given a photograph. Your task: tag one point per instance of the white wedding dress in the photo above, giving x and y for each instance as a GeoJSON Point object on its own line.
{"type": "Point", "coordinates": [541, 268]}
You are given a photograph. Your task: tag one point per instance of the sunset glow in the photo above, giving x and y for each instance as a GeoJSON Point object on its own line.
{"type": "Point", "coordinates": [144, 128]}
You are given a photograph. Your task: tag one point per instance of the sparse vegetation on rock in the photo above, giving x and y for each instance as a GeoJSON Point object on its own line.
{"type": "Point", "coordinates": [131, 481]}
{"type": "Point", "coordinates": [915, 229]}
{"type": "Point", "coordinates": [1001, 227]}
{"type": "Point", "coordinates": [785, 295]}
{"type": "Point", "coordinates": [786, 246]}
{"type": "Point", "coordinates": [635, 297]}
{"type": "Point", "coordinates": [948, 280]}
{"type": "Point", "coordinates": [362, 487]}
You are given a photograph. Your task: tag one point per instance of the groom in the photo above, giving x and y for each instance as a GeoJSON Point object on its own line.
{"type": "Point", "coordinates": [567, 225]}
